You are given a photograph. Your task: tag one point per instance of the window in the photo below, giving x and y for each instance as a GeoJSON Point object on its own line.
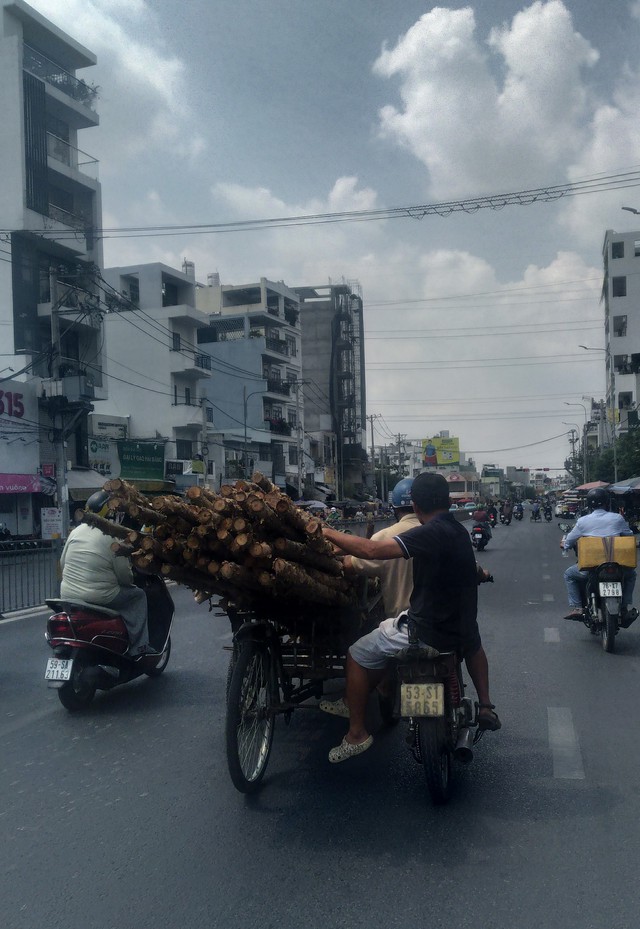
{"type": "Point", "coordinates": [187, 396]}
{"type": "Point", "coordinates": [636, 248]}
{"type": "Point", "coordinates": [625, 399]}
{"type": "Point", "coordinates": [619, 326]}
{"type": "Point", "coordinates": [292, 417]}
{"type": "Point", "coordinates": [617, 249]}
{"type": "Point", "coordinates": [293, 455]}
{"type": "Point", "coordinates": [209, 410]}
{"type": "Point", "coordinates": [175, 346]}
{"type": "Point", "coordinates": [291, 346]}
{"type": "Point", "coordinates": [169, 294]}
{"type": "Point", "coordinates": [618, 287]}
{"type": "Point", "coordinates": [184, 448]}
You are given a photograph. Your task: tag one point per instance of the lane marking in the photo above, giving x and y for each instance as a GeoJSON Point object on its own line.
{"type": "Point", "coordinates": [546, 577]}
{"type": "Point", "coordinates": [551, 635]}
{"type": "Point", "coordinates": [548, 598]}
{"type": "Point", "coordinates": [564, 745]}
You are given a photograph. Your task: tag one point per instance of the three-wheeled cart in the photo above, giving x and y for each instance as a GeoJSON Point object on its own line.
{"type": "Point", "coordinates": [282, 658]}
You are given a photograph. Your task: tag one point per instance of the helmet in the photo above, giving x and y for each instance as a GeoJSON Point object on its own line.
{"type": "Point", "coordinates": [598, 499]}
{"type": "Point", "coordinates": [401, 494]}
{"type": "Point", "coordinates": [98, 503]}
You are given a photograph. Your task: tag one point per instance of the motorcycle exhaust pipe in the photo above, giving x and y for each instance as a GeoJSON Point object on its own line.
{"type": "Point", "coordinates": [464, 746]}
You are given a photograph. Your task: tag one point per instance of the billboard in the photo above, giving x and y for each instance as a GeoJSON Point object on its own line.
{"type": "Point", "coordinates": [438, 452]}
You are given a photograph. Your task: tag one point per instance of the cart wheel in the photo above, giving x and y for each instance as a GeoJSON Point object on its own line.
{"type": "Point", "coordinates": [249, 728]}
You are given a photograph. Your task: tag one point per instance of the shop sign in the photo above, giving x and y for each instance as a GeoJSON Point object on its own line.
{"type": "Point", "coordinates": [141, 460]}
{"type": "Point", "coordinates": [19, 484]}
{"type": "Point", "coordinates": [51, 522]}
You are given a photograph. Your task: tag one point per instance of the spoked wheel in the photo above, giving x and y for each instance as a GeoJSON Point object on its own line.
{"type": "Point", "coordinates": [436, 758]}
{"type": "Point", "coordinates": [609, 629]}
{"type": "Point", "coordinates": [77, 693]}
{"type": "Point", "coordinates": [164, 661]}
{"type": "Point", "coordinates": [250, 721]}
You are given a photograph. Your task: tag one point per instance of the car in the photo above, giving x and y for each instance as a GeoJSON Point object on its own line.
{"type": "Point", "coordinates": [454, 506]}
{"type": "Point", "coordinates": [471, 506]}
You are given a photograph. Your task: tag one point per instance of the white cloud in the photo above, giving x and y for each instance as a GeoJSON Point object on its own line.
{"type": "Point", "coordinates": [474, 132]}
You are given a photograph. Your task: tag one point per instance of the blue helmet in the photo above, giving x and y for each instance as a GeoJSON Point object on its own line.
{"type": "Point", "coordinates": [401, 494]}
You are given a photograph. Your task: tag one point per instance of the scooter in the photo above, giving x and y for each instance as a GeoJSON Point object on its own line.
{"type": "Point", "coordinates": [505, 519]}
{"type": "Point", "coordinates": [518, 513]}
{"type": "Point", "coordinates": [90, 645]}
{"type": "Point", "coordinates": [548, 515]}
{"type": "Point", "coordinates": [479, 536]}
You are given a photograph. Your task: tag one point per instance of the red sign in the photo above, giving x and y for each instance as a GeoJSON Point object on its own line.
{"type": "Point", "coordinates": [48, 469]}
{"type": "Point", "coordinates": [19, 484]}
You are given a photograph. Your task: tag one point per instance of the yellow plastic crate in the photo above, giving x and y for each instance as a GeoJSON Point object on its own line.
{"type": "Point", "coordinates": [593, 551]}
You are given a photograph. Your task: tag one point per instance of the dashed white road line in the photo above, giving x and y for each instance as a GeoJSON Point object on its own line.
{"type": "Point", "coordinates": [551, 635]}
{"type": "Point", "coordinates": [548, 598]}
{"type": "Point", "coordinates": [546, 577]}
{"type": "Point", "coordinates": [564, 745]}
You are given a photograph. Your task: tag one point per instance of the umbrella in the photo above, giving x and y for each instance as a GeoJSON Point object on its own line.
{"type": "Point", "coordinates": [593, 485]}
{"type": "Point", "coordinates": [626, 487]}
{"type": "Point", "coordinates": [313, 505]}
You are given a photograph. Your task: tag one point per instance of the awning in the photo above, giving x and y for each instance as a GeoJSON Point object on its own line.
{"type": "Point", "coordinates": [82, 484]}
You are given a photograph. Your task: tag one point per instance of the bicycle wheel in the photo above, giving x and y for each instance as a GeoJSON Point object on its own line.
{"type": "Point", "coordinates": [436, 758]}
{"type": "Point", "coordinates": [250, 721]}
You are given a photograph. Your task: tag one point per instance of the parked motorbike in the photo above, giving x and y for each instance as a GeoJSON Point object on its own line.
{"type": "Point", "coordinates": [479, 536]}
{"type": "Point", "coordinates": [90, 645]}
{"type": "Point", "coordinates": [427, 689]}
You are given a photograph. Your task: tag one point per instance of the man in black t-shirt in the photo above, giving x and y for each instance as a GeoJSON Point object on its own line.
{"type": "Point", "coordinates": [443, 605]}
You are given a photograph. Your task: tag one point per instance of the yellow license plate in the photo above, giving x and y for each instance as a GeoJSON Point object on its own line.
{"type": "Point", "coordinates": [422, 699]}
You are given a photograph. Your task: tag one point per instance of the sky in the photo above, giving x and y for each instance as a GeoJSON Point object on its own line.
{"type": "Point", "coordinates": [216, 111]}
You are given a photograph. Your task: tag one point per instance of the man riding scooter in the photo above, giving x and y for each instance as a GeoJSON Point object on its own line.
{"type": "Point", "coordinates": [91, 573]}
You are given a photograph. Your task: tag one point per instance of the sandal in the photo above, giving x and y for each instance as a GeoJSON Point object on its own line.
{"type": "Point", "coordinates": [575, 614]}
{"type": "Point", "coordinates": [346, 750]}
{"type": "Point", "coordinates": [488, 723]}
{"type": "Point", "coordinates": [335, 707]}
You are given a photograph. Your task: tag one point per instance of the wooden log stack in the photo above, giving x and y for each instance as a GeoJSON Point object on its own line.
{"type": "Point", "coordinates": [248, 543]}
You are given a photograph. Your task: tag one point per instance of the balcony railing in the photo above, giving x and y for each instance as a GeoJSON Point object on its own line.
{"type": "Point", "coordinates": [278, 426]}
{"type": "Point", "coordinates": [66, 154]}
{"type": "Point", "coordinates": [74, 220]}
{"type": "Point", "coordinates": [202, 361]}
{"type": "Point", "coordinates": [278, 345]}
{"type": "Point", "coordinates": [276, 386]}
{"type": "Point", "coordinates": [51, 72]}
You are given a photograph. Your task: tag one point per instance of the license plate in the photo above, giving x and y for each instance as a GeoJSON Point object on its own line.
{"type": "Point", "coordinates": [58, 669]}
{"type": "Point", "coordinates": [477, 535]}
{"type": "Point", "coordinates": [610, 589]}
{"type": "Point", "coordinates": [422, 699]}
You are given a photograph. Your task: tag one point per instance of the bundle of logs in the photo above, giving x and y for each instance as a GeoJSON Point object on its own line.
{"type": "Point", "coordinates": [248, 543]}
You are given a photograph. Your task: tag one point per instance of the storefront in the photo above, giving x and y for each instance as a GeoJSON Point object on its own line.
{"type": "Point", "coordinates": [21, 485]}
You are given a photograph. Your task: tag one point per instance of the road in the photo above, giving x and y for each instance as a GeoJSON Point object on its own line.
{"type": "Point", "coordinates": [125, 817]}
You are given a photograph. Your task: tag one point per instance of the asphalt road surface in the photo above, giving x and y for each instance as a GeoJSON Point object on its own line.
{"type": "Point", "coordinates": [124, 816]}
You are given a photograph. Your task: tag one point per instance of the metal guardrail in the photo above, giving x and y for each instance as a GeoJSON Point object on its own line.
{"type": "Point", "coordinates": [28, 573]}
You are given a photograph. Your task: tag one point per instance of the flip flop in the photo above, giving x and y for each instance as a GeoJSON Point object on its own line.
{"type": "Point", "coordinates": [335, 707]}
{"type": "Point", "coordinates": [574, 614]}
{"type": "Point", "coordinates": [346, 750]}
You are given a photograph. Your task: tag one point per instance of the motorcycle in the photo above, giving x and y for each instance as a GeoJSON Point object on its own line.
{"type": "Point", "coordinates": [427, 689]}
{"type": "Point", "coordinates": [90, 645]}
{"type": "Point", "coordinates": [479, 536]}
{"type": "Point", "coordinates": [603, 614]}
{"type": "Point", "coordinates": [518, 513]}
{"type": "Point", "coordinates": [548, 515]}
{"type": "Point", "coordinates": [536, 516]}
{"type": "Point", "coordinates": [505, 518]}
{"type": "Point", "coordinates": [492, 520]}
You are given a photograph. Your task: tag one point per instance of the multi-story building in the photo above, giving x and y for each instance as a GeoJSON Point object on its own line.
{"type": "Point", "coordinates": [156, 417]}
{"type": "Point", "coordinates": [253, 338]}
{"type": "Point", "coordinates": [335, 395]}
{"type": "Point", "coordinates": [50, 202]}
{"type": "Point", "coordinates": [621, 295]}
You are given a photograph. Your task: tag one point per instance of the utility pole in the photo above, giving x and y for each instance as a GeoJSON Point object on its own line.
{"type": "Point", "coordinates": [400, 446]}
{"type": "Point", "coordinates": [371, 419]}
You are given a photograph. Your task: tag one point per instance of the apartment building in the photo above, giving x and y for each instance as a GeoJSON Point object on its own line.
{"type": "Point", "coordinates": [254, 339]}
{"type": "Point", "coordinates": [621, 358]}
{"type": "Point", "coordinates": [50, 203]}
{"type": "Point", "coordinates": [156, 425]}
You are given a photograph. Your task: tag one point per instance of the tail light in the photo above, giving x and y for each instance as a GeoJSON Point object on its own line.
{"type": "Point", "coordinates": [59, 627]}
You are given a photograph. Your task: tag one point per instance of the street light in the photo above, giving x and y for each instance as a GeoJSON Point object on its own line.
{"type": "Point", "coordinates": [245, 399]}
{"type": "Point", "coordinates": [610, 392]}
{"type": "Point", "coordinates": [584, 440]}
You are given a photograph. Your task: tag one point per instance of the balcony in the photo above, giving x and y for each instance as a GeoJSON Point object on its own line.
{"type": "Point", "coordinates": [276, 386]}
{"type": "Point", "coordinates": [71, 157]}
{"type": "Point", "coordinates": [55, 75]}
{"type": "Point", "coordinates": [279, 346]}
{"type": "Point", "coordinates": [279, 426]}
{"type": "Point", "coordinates": [193, 365]}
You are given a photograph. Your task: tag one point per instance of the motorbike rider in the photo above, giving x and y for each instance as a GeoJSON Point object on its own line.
{"type": "Point", "coordinates": [519, 509]}
{"type": "Point", "coordinates": [443, 604]}
{"type": "Point", "coordinates": [91, 573]}
{"type": "Point", "coordinates": [481, 518]}
{"type": "Point", "coordinates": [535, 511]}
{"type": "Point", "coordinates": [601, 523]}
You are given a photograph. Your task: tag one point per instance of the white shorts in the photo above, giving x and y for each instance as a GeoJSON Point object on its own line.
{"type": "Point", "coordinates": [373, 651]}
